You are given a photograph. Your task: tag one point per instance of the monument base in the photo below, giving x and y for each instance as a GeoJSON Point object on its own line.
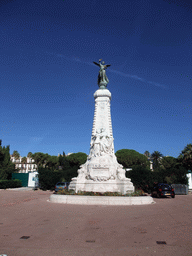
{"type": "Point", "coordinates": [102, 187]}
{"type": "Point", "coordinates": [102, 177]}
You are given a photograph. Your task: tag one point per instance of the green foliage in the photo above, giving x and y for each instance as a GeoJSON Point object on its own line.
{"type": "Point", "coordinates": [6, 166]}
{"type": "Point", "coordinates": [40, 158]}
{"type": "Point", "coordinates": [130, 158]}
{"type": "Point", "coordinates": [186, 157]}
{"type": "Point", "coordinates": [63, 168]}
{"type": "Point", "coordinates": [45, 160]}
{"type": "Point", "coordinates": [10, 184]}
{"type": "Point", "coordinates": [24, 160]}
{"type": "Point", "coordinates": [147, 154]}
{"type": "Point", "coordinates": [157, 156]}
{"type": "Point", "coordinates": [53, 169]}
{"type": "Point", "coordinates": [48, 178]}
{"type": "Point", "coordinates": [171, 171]}
{"type": "Point", "coordinates": [141, 177]}
{"type": "Point", "coordinates": [138, 192]}
{"type": "Point", "coordinates": [69, 173]}
{"type": "Point", "coordinates": [16, 154]}
{"type": "Point", "coordinates": [71, 164]}
{"type": "Point", "coordinates": [51, 161]}
{"type": "Point", "coordinates": [176, 175]}
{"type": "Point", "coordinates": [77, 159]}
{"type": "Point", "coordinates": [63, 162]}
{"type": "Point", "coordinates": [168, 162]}
{"type": "Point", "coordinates": [29, 154]}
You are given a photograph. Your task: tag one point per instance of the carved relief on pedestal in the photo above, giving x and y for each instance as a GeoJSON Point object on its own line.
{"type": "Point", "coordinates": [98, 174]}
{"type": "Point", "coordinates": [101, 144]}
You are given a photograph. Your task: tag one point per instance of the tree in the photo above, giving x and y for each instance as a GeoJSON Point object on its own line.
{"type": "Point", "coordinates": [48, 177]}
{"type": "Point", "coordinates": [168, 162]}
{"type": "Point", "coordinates": [53, 169]}
{"type": "Point", "coordinates": [129, 158]}
{"type": "Point", "coordinates": [63, 162]}
{"type": "Point", "coordinates": [71, 164]}
{"type": "Point", "coordinates": [40, 158]}
{"type": "Point", "coordinates": [170, 171]}
{"type": "Point", "coordinates": [142, 178]}
{"type": "Point", "coordinates": [24, 160]}
{"type": "Point", "coordinates": [156, 155]}
{"type": "Point", "coordinates": [52, 161]}
{"type": "Point", "coordinates": [186, 157]}
{"type": "Point", "coordinates": [16, 154]}
{"type": "Point", "coordinates": [6, 166]}
{"type": "Point", "coordinates": [77, 159]}
{"type": "Point", "coordinates": [147, 154]}
{"type": "Point", "coordinates": [30, 154]}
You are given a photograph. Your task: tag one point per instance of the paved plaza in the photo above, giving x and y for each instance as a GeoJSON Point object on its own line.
{"type": "Point", "coordinates": [59, 229]}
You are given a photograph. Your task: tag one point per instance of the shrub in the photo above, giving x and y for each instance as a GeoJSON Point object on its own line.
{"type": "Point", "coordinates": [48, 178]}
{"type": "Point", "coordinates": [141, 177]}
{"type": "Point", "coordinates": [10, 184]}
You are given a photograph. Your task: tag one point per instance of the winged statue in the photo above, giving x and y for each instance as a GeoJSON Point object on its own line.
{"type": "Point", "coordinates": [102, 77]}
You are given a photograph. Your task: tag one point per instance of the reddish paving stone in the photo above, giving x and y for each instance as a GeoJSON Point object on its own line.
{"type": "Point", "coordinates": [60, 229]}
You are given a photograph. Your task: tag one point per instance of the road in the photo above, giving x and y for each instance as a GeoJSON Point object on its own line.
{"type": "Point", "coordinates": [58, 229]}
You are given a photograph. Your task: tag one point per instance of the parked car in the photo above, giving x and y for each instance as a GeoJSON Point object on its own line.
{"type": "Point", "coordinates": [61, 186]}
{"type": "Point", "coordinates": [162, 189]}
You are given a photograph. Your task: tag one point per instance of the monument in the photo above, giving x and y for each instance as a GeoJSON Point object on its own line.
{"type": "Point", "coordinates": [101, 172]}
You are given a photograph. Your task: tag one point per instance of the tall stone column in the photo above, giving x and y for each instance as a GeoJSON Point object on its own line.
{"type": "Point", "coordinates": [102, 135]}
{"type": "Point", "coordinates": [102, 172]}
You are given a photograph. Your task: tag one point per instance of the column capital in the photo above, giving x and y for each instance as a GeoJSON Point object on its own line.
{"type": "Point", "coordinates": [102, 93]}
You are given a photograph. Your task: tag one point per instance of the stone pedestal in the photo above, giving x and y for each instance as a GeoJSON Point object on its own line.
{"type": "Point", "coordinates": [102, 172]}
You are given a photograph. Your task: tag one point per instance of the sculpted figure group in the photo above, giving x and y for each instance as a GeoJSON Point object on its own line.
{"type": "Point", "coordinates": [101, 144]}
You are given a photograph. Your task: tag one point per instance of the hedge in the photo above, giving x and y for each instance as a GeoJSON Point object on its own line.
{"type": "Point", "coordinates": [10, 184]}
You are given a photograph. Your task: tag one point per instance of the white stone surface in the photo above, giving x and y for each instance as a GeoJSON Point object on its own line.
{"type": "Point", "coordinates": [101, 200]}
{"type": "Point", "coordinates": [189, 176]}
{"type": "Point", "coordinates": [102, 172]}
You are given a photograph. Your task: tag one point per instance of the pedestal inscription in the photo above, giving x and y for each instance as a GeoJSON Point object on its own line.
{"type": "Point", "coordinates": [99, 174]}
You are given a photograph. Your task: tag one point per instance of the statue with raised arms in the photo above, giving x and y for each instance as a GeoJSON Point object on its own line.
{"type": "Point", "coordinates": [102, 77]}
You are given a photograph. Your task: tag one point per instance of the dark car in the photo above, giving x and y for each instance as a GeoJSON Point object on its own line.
{"type": "Point", "coordinates": [162, 189]}
{"type": "Point", "coordinates": [61, 186]}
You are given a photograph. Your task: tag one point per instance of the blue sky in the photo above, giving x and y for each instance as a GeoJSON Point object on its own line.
{"type": "Point", "coordinates": [47, 75]}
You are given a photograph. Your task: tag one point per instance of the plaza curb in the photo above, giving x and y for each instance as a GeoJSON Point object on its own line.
{"type": "Point", "coordinates": [101, 200]}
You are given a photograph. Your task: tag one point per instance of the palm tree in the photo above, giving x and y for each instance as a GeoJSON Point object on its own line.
{"type": "Point", "coordinates": [156, 156]}
{"type": "Point", "coordinates": [147, 154]}
{"type": "Point", "coordinates": [186, 156]}
{"type": "Point", "coordinates": [16, 154]}
{"type": "Point", "coordinates": [24, 160]}
{"type": "Point", "coordinates": [30, 154]}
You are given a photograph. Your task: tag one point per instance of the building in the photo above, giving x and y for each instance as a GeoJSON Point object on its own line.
{"type": "Point", "coordinates": [27, 167]}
